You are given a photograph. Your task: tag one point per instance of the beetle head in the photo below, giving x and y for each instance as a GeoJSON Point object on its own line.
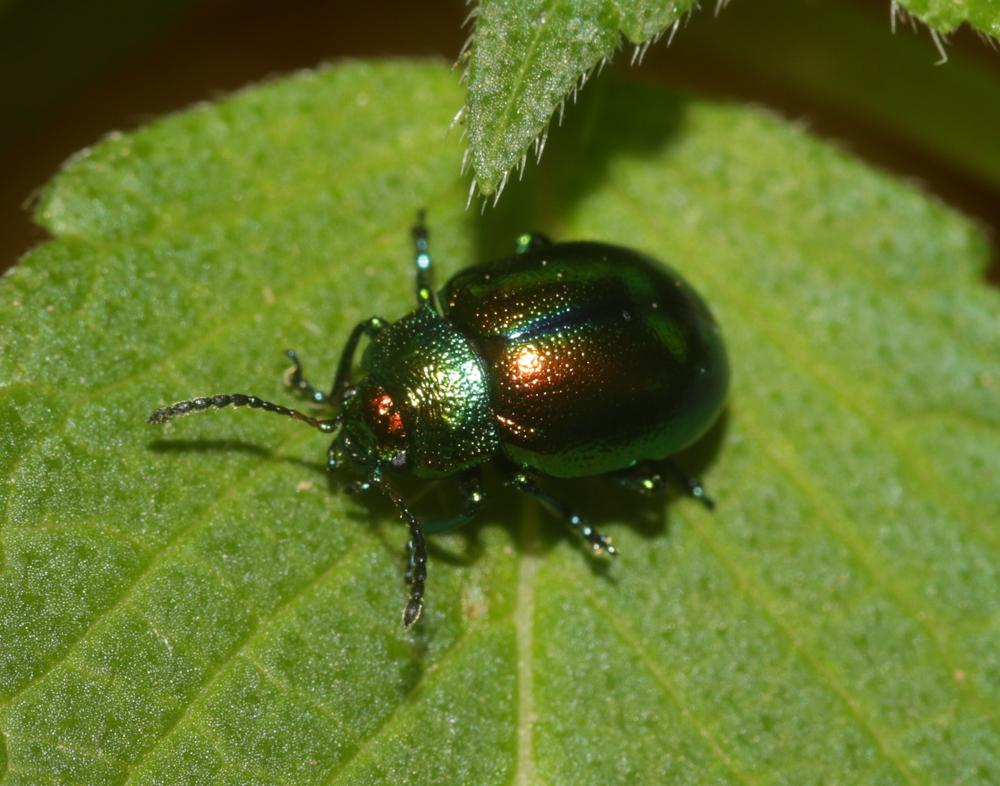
{"type": "Point", "coordinates": [374, 432]}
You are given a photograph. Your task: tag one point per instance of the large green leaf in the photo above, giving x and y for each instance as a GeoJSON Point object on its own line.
{"type": "Point", "coordinates": [200, 605]}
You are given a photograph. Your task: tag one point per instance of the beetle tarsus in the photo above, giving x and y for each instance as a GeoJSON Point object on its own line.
{"type": "Point", "coordinates": [692, 486]}
{"type": "Point", "coordinates": [649, 480]}
{"type": "Point", "coordinates": [696, 490]}
{"type": "Point", "coordinates": [599, 544]}
{"type": "Point", "coordinates": [412, 611]}
{"type": "Point", "coordinates": [416, 562]}
{"type": "Point", "coordinates": [416, 575]}
{"type": "Point", "coordinates": [294, 378]}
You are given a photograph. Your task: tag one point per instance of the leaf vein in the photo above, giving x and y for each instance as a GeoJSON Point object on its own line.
{"type": "Point", "coordinates": [258, 631]}
{"type": "Point", "coordinates": [828, 513]}
{"type": "Point", "coordinates": [756, 594]}
{"type": "Point", "coordinates": [629, 638]}
{"type": "Point", "coordinates": [172, 545]}
{"type": "Point", "coordinates": [367, 744]}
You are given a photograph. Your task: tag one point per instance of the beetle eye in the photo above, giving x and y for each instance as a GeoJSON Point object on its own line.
{"type": "Point", "coordinates": [385, 416]}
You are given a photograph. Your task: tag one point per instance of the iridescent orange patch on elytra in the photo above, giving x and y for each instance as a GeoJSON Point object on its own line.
{"type": "Point", "coordinates": [529, 366]}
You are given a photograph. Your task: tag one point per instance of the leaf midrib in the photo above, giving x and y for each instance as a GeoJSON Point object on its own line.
{"type": "Point", "coordinates": [515, 93]}
{"type": "Point", "coordinates": [524, 624]}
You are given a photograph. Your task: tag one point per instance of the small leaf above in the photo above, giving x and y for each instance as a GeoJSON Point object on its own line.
{"type": "Point", "coordinates": [525, 58]}
{"type": "Point", "coordinates": [204, 604]}
{"type": "Point", "coordinates": [944, 16]}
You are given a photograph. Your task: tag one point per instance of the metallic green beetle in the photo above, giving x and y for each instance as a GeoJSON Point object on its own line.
{"type": "Point", "coordinates": [567, 360]}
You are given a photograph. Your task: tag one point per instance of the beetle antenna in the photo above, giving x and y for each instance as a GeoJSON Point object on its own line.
{"type": "Point", "coordinates": [163, 414]}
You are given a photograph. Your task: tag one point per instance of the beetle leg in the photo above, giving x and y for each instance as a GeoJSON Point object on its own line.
{"type": "Point", "coordinates": [416, 575]}
{"type": "Point", "coordinates": [597, 541]}
{"type": "Point", "coordinates": [370, 327]}
{"type": "Point", "coordinates": [425, 283]}
{"type": "Point", "coordinates": [416, 563]}
{"type": "Point", "coordinates": [691, 485]}
{"type": "Point", "coordinates": [650, 480]}
{"type": "Point", "coordinates": [644, 480]}
{"type": "Point", "coordinates": [529, 241]}
{"type": "Point", "coordinates": [296, 381]}
{"type": "Point", "coordinates": [472, 491]}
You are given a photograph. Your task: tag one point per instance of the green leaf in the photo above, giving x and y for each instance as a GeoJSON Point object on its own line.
{"type": "Point", "coordinates": [944, 16]}
{"type": "Point", "coordinates": [526, 57]}
{"type": "Point", "coordinates": [201, 605]}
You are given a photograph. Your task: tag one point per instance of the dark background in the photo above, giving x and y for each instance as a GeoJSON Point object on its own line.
{"type": "Point", "coordinates": [74, 74]}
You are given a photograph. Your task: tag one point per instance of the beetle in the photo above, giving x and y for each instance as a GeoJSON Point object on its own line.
{"type": "Point", "coordinates": [565, 360]}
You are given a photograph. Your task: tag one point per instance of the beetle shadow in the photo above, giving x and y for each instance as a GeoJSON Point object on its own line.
{"type": "Point", "coordinates": [600, 501]}
{"type": "Point", "coordinates": [606, 504]}
{"type": "Point", "coordinates": [371, 509]}
{"type": "Point", "coordinates": [427, 500]}
{"type": "Point", "coordinates": [579, 159]}
{"type": "Point", "coordinates": [174, 446]}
